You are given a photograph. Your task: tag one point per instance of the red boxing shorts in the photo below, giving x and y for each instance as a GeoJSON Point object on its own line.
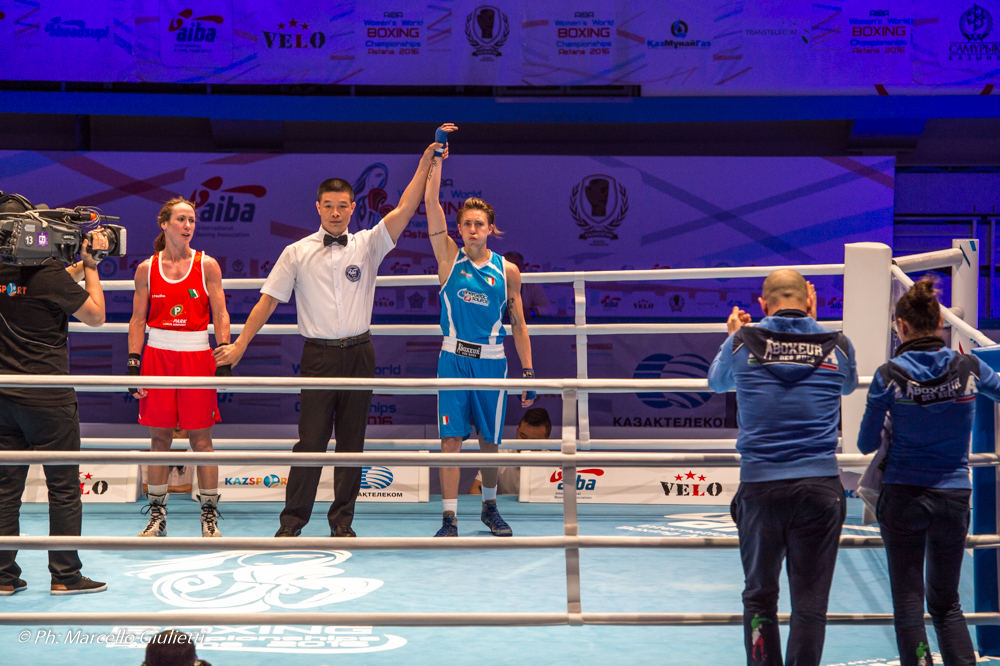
{"type": "Point", "coordinates": [188, 409]}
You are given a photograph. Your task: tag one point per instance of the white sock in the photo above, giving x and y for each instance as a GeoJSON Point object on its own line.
{"type": "Point", "coordinates": [489, 493]}
{"type": "Point", "coordinates": [156, 490]}
{"type": "Point", "coordinates": [450, 505]}
{"type": "Point", "coordinates": [206, 491]}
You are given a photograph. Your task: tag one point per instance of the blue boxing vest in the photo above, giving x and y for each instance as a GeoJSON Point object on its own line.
{"type": "Point", "coordinates": [473, 301]}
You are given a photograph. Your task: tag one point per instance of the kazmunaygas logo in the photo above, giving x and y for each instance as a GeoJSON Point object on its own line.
{"type": "Point", "coordinates": [376, 482]}
{"type": "Point", "coordinates": [269, 481]}
{"type": "Point", "coordinates": [487, 29]}
{"type": "Point", "coordinates": [678, 39]}
{"type": "Point", "coordinates": [975, 24]}
{"type": "Point", "coordinates": [599, 205]}
{"type": "Point", "coordinates": [56, 27]}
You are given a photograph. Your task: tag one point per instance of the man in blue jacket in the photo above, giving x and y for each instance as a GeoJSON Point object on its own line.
{"type": "Point", "coordinates": [788, 373]}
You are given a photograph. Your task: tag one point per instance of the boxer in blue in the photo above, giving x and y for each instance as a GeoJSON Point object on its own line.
{"type": "Point", "coordinates": [477, 287]}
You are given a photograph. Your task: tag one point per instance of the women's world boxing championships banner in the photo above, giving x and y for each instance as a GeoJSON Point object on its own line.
{"type": "Point", "coordinates": [559, 213]}
{"type": "Point", "coordinates": [669, 47]}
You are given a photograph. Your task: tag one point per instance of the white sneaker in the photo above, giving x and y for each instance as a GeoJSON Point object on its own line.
{"type": "Point", "coordinates": [210, 515]}
{"type": "Point", "coordinates": [157, 510]}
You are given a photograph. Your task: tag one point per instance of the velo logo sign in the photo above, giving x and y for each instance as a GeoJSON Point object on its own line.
{"type": "Point", "coordinates": [196, 33]}
{"type": "Point", "coordinates": [599, 205]}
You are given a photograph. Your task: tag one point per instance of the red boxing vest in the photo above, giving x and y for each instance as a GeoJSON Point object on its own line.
{"type": "Point", "coordinates": [180, 305]}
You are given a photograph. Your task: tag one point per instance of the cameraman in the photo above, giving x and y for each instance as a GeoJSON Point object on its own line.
{"type": "Point", "coordinates": [35, 304]}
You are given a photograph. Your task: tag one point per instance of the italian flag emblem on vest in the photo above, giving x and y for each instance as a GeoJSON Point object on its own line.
{"type": "Point", "coordinates": [444, 420]}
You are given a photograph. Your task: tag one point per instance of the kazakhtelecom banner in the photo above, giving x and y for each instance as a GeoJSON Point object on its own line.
{"type": "Point", "coordinates": [669, 47]}
{"type": "Point", "coordinates": [559, 213]}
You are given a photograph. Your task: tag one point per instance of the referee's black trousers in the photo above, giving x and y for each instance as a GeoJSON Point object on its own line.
{"type": "Point", "coordinates": [321, 413]}
{"type": "Point", "coordinates": [37, 428]}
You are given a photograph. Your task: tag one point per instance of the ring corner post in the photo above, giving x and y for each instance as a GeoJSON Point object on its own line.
{"type": "Point", "coordinates": [985, 514]}
{"type": "Point", "coordinates": [965, 291]}
{"type": "Point", "coordinates": [867, 303]}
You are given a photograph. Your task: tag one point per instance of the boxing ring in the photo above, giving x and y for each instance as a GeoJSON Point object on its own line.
{"type": "Point", "coordinates": [868, 274]}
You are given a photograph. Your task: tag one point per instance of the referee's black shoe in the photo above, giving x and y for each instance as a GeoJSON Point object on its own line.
{"type": "Point", "coordinates": [342, 531]}
{"type": "Point", "coordinates": [285, 531]}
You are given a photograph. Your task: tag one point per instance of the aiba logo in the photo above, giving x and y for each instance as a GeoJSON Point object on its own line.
{"type": "Point", "coordinates": [664, 366]}
{"type": "Point", "coordinates": [375, 478]}
{"type": "Point", "coordinates": [294, 34]}
{"type": "Point", "coordinates": [608, 301]}
{"type": "Point", "coordinates": [78, 29]}
{"type": "Point", "coordinates": [227, 208]}
{"type": "Point", "coordinates": [676, 303]}
{"type": "Point", "coordinates": [582, 483]}
{"type": "Point", "coordinates": [487, 29]}
{"type": "Point", "coordinates": [190, 29]}
{"type": "Point", "coordinates": [599, 205]}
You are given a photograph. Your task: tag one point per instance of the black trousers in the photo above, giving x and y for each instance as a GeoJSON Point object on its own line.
{"type": "Point", "coordinates": [55, 428]}
{"type": "Point", "coordinates": [320, 414]}
{"type": "Point", "coordinates": [798, 520]}
{"type": "Point", "coordinates": [918, 522]}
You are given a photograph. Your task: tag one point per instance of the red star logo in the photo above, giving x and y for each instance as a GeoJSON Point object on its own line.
{"type": "Point", "coordinates": [679, 477]}
{"type": "Point", "coordinates": [701, 478]}
{"type": "Point", "coordinates": [690, 475]}
{"type": "Point", "coordinates": [305, 26]}
{"type": "Point", "coordinates": [292, 23]}
{"type": "Point", "coordinates": [281, 26]}
{"type": "Point", "coordinates": [88, 476]}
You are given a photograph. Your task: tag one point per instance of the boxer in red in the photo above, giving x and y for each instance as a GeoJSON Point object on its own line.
{"type": "Point", "coordinates": [177, 290]}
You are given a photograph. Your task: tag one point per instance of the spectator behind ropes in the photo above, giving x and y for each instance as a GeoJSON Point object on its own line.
{"type": "Point", "coordinates": [535, 424]}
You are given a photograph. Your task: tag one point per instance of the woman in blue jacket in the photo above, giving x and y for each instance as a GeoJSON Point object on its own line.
{"type": "Point", "coordinates": [929, 392]}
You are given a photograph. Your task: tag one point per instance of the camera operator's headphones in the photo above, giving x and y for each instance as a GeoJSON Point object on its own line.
{"type": "Point", "coordinates": [8, 203]}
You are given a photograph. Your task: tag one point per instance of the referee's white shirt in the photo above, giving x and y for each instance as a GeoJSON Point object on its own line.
{"type": "Point", "coordinates": [334, 286]}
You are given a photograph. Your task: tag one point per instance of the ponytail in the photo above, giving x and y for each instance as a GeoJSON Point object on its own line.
{"type": "Point", "coordinates": [919, 307]}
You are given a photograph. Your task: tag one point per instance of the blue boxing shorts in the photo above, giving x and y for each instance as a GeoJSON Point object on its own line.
{"type": "Point", "coordinates": [458, 410]}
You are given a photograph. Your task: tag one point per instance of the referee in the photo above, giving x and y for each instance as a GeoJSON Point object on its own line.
{"type": "Point", "coordinates": [332, 273]}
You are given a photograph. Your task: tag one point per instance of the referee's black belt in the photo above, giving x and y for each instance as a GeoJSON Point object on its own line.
{"type": "Point", "coordinates": [343, 343]}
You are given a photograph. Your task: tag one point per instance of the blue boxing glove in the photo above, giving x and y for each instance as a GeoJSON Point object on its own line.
{"type": "Point", "coordinates": [528, 373]}
{"type": "Point", "coordinates": [440, 136]}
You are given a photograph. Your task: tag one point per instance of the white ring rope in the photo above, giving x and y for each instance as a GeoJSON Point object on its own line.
{"type": "Point", "coordinates": [182, 619]}
{"type": "Point", "coordinates": [403, 386]}
{"type": "Point", "coordinates": [410, 459]}
{"type": "Point", "coordinates": [727, 273]}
